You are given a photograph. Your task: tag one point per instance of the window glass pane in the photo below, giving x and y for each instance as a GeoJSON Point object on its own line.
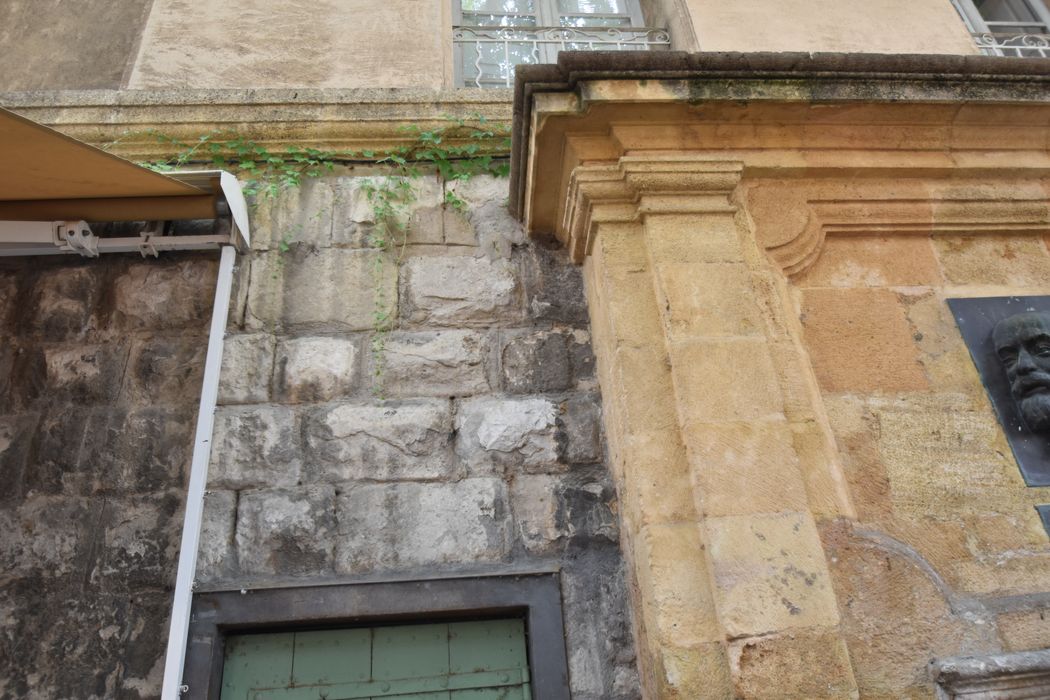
{"type": "Point", "coordinates": [502, 7]}
{"type": "Point", "coordinates": [1010, 16]}
{"type": "Point", "coordinates": [579, 7]}
{"type": "Point", "coordinates": [471, 19]}
{"type": "Point", "coordinates": [490, 65]}
{"type": "Point", "coordinates": [583, 21]}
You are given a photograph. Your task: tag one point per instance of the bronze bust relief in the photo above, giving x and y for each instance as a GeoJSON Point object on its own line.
{"type": "Point", "coordinates": [1022, 343]}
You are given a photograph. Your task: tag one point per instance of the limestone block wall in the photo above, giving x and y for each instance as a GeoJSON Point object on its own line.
{"type": "Point", "coordinates": [948, 556]}
{"type": "Point", "coordinates": [467, 438]}
{"type": "Point", "coordinates": [100, 374]}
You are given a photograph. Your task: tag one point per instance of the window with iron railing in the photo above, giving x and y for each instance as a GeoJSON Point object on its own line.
{"type": "Point", "coordinates": [1008, 27]}
{"type": "Point", "coordinates": [490, 37]}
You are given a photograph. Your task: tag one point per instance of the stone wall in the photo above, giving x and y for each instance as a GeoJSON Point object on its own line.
{"type": "Point", "coordinates": [465, 439]}
{"type": "Point", "coordinates": [948, 556]}
{"type": "Point", "coordinates": [100, 371]}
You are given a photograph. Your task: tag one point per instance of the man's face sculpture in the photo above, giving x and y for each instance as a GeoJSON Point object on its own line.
{"type": "Point", "coordinates": [1022, 342]}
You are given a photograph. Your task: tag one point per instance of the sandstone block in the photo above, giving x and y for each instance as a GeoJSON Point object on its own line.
{"type": "Point", "coordinates": [162, 294]}
{"type": "Point", "coordinates": [496, 433]}
{"type": "Point", "coordinates": [460, 291]}
{"type": "Point", "coordinates": [286, 531]}
{"type": "Point", "coordinates": [673, 579]}
{"type": "Point", "coordinates": [533, 363]}
{"type": "Point", "coordinates": [255, 447]}
{"type": "Point", "coordinates": [426, 225]}
{"type": "Point", "coordinates": [799, 665]}
{"type": "Point", "coordinates": [247, 364]}
{"type": "Point", "coordinates": [480, 189]}
{"type": "Point", "coordinates": [215, 556]}
{"type": "Point", "coordinates": [699, 672]}
{"type": "Point", "coordinates": [63, 303]}
{"type": "Point", "coordinates": [1011, 260]}
{"type": "Point", "coordinates": [336, 289]}
{"type": "Point", "coordinates": [579, 430]}
{"type": "Point", "coordinates": [770, 574]}
{"type": "Point", "coordinates": [497, 231]}
{"type": "Point", "coordinates": [708, 300]}
{"type": "Point", "coordinates": [166, 370]}
{"type": "Point", "coordinates": [873, 261]}
{"type": "Point", "coordinates": [690, 239]}
{"type": "Point", "coordinates": [390, 440]}
{"type": "Point", "coordinates": [860, 341]}
{"type": "Point", "coordinates": [435, 363]}
{"type": "Point", "coordinates": [1024, 630]}
{"type": "Point", "coordinates": [421, 525]}
{"type": "Point", "coordinates": [553, 287]}
{"type": "Point", "coordinates": [742, 468]}
{"type": "Point", "coordinates": [534, 500]}
{"type": "Point", "coordinates": [314, 368]}
{"type": "Point", "coordinates": [656, 485]}
{"type": "Point", "coordinates": [731, 379]}
{"type": "Point", "coordinates": [86, 372]}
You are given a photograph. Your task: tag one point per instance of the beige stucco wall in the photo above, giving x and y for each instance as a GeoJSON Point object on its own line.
{"type": "Point", "coordinates": [878, 26]}
{"type": "Point", "coordinates": [316, 43]}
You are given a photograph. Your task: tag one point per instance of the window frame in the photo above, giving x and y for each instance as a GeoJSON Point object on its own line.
{"type": "Point", "coordinates": [534, 596]}
{"type": "Point", "coordinates": [978, 25]}
{"type": "Point", "coordinates": [547, 17]}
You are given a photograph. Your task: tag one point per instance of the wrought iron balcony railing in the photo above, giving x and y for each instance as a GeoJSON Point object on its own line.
{"type": "Point", "coordinates": [1019, 45]}
{"type": "Point", "coordinates": [486, 56]}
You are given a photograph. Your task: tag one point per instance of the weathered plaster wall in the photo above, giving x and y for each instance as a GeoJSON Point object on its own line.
{"type": "Point", "coordinates": [948, 556]}
{"type": "Point", "coordinates": [472, 442]}
{"type": "Point", "coordinates": [54, 45]}
{"type": "Point", "coordinates": [882, 26]}
{"type": "Point", "coordinates": [100, 368]}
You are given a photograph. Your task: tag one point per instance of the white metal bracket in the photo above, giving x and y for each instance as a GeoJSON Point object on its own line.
{"type": "Point", "coordinates": [76, 237]}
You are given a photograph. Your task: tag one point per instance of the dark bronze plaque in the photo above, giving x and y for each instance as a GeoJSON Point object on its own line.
{"type": "Point", "coordinates": [1044, 513]}
{"type": "Point", "coordinates": [977, 318]}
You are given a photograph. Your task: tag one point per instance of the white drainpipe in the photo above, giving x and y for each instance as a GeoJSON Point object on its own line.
{"type": "Point", "coordinates": [191, 525]}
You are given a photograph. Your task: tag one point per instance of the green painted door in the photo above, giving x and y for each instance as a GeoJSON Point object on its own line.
{"type": "Point", "coordinates": [483, 660]}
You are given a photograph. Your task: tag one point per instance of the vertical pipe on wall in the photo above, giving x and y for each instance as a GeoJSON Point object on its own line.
{"type": "Point", "coordinates": [191, 525]}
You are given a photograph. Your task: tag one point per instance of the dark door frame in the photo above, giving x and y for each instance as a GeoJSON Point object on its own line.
{"type": "Point", "coordinates": [534, 597]}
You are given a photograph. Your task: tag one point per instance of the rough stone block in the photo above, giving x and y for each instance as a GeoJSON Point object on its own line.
{"type": "Point", "coordinates": [412, 525]}
{"type": "Point", "coordinates": [536, 362]}
{"type": "Point", "coordinates": [63, 302]}
{"type": "Point", "coordinates": [497, 231]}
{"type": "Point", "coordinates": [534, 500]}
{"type": "Point", "coordinates": [732, 379]}
{"type": "Point", "coordinates": [708, 300]}
{"type": "Point", "coordinates": [769, 574]}
{"type": "Point", "coordinates": [146, 450]}
{"type": "Point", "coordinates": [16, 436]}
{"type": "Point", "coordinates": [247, 365]}
{"type": "Point", "coordinates": [139, 544]}
{"type": "Point", "coordinates": [873, 261]}
{"type": "Point", "coordinates": [434, 363]}
{"type": "Point", "coordinates": [314, 368]}
{"type": "Point", "coordinates": [8, 296]}
{"type": "Point", "coordinates": [553, 287]}
{"type": "Point", "coordinates": [860, 341]}
{"type": "Point", "coordinates": [480, 189]}
{"type": "Point", "coordinates": [460, 291]}
{"type": "Point", "coordinates": [1012, 260]}
{"type": "Point", "coordinates": [255, 447]}
{"type": "Point", "coordinates": [497, 433]}
{"type": "Point", "coordinates": [287, 532]}
{"type": "Point", "coordinates": [426, 225]}
{"type": "Point", "coordinates": [295, 215]}
{"type": "Point", "coordinates": [580, 430]}
{"type": "Point", "coordinates": [162, 294]}
{"type": "Point", "coordinates": [792, 665]}
{"type": "Point", "coordinates": [581, 356]}
{"type": "Point", "coordinates": [87, 372]}
{"type": "Point", "coordinates": [390, 440]}
{"type": "Point", "coordinates": [166, 370]}
{"type": "Point", "coordinates": [355, 205]}
{"type": "Point", "coordinates": [458, 229]}
{"type": "Point", "coordinates": [46, 535]}
{"type": "Point", "coordinates": [745, 468]}
{"type": "Point", "coordinates": [334, 289]}
{"type": "Point", "coordinates": [215, 556]}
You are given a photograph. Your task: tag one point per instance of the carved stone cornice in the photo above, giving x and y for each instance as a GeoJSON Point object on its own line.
{"type": "Point", "coordinates": [795, 242]}
{"type": "Point", "coordinates": [639, 186]}
{"type": "Point", "coordinates": [1024, 674]}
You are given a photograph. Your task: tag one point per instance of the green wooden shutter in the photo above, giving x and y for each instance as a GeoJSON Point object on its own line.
{"type": "Point", "coordinates": [482, 660]}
